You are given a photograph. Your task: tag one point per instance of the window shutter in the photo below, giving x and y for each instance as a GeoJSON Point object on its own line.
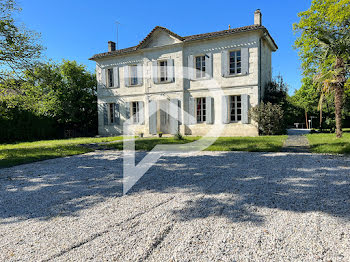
{"type": "Point", "coordinates": [191, 111]}
{"type": "Point", "coordinates": [103, 78]}
{"type": "Point", "coordinates": [174, 116]}
{"type": "Point", "coordinates": [139, 74]}
{"type": "Point", "coordinates": [142, 113]}
{"type": "Point", "coordinates": [190, 69]}
{"type": "Point", "coordinates": [152, 114]}
{"type": "Point", "coordinates": [225, 109]}
{"type": "Point", "coordinates": [155, 71]}
{"type": "Point", "coordinates": [209, 65]}
{"type": "Point", "coordinates": [245, 109]}
{"type": "Point", "coordinates": [170, 70]}
{"type": "Point", "coordinates": [105, 114]}
{"type": "Point", "coordinates": [245, 60]}
{"type": "Point", "coordinates": [116, 76]}
{"type": "Point", "coordinates": [209, 110]}
{"type": "Point", "coordinates": [116, 114]}
{"type": "Point", "coordinates": [224, 63]}
{"type": "Point", "coordinates": [127, 111]}
{"type": "Point", "coordinates": [126, 76]}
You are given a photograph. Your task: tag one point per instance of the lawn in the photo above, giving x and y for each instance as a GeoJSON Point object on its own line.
{"type": "Point", "coordinates": [251, 144]}
{"type": "Point", "coordinates": [20, 153]}
{"type": "Point", "coordinates": [328, 143]}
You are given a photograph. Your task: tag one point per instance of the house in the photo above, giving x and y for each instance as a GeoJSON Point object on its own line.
{"type": "Point", "coordinates": [214, 78]}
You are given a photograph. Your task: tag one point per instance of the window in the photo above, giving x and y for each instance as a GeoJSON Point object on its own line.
{"type": "Point", "coordinates": [235, 108]}
{"type": "Point", "coordinates": [201, 109]}
{"type": "Point", "coordinates": [200, 66]}
{"type": "Point", "coordinates": [111, 113]}
{"type": "Point", "coordinates": [135, 112]}
{"type": "Point", "coordinates": [133, 75]}
{"type": "Point", "coordinates": [110, 77]}
{"type": "Point", "coordinates": [235, 62]}
{"type": "Point", "coordinates": [162, 65]}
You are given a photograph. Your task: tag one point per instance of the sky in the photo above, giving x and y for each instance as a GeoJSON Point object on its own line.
{"type": "Point", "coordinates": [78, 29]}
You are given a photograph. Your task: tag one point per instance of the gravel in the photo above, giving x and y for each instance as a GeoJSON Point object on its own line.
{"type": "Point", "coordinates": [208, 206]}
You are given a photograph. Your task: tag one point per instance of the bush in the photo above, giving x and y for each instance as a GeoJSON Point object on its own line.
{"type": "Point", "coordinates": [269, 118]}
{"type": "Point", "coordinates": [178, 136]}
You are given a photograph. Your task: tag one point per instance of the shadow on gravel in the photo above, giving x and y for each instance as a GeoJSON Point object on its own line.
{"type": "Point", "coordinates": [231, 185]}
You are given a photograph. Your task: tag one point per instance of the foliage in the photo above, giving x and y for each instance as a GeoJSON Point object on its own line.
{"type": "Point", "coordinates": [276, 92]}
{"type": "Point", "coordinates": [269, 118]}
{"type": "Point", "coordinates": [324, 47]}
{"type": "Point", "coordinates": [178, 136]}
{"type": "Point", "coordinates": [20, 153]}
{"type": "Point", "coordinates": [19, 47]}
{"type": "Point", "coordinates": [59, 96]}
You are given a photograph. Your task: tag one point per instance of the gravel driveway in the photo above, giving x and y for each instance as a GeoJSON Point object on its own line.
{"type": "Point", "coordinates": [211, 206]}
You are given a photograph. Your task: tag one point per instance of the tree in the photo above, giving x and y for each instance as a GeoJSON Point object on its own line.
{"type": "Point", "coordinates": [19, 47]}
{"type": "Point", "coordinates": [324, 46]}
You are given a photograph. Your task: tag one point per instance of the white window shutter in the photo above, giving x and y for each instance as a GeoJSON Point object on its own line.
{"type": "Point", "coordinates": [155, 71]}
{"type": "Point", "coordinates": [224, 63]}
{"type": "Point", "coordinates": [225, 109]}
{"type": "Point", "coordinates": [190, 69]}
{"type": "Point", "coordinates": [245, 108]}
{"type": "Point", "coordinates": [191, 111]}
{"type": "Point", "coordinates": [174, 116]}
{"type": "Point", "coordinates": [245, 60]}
{"type": "Point", "coordinates": [152, 115]}
{"type": "Point", "coordinates": [126, 76]}
{"type": "Point", "coordinates": [103, 77]}
{"type": "Point", "coordinates": [170, 70]}
{"type": "Point", "coordinates": [139, 74]}
{"type": "Point", "coordinates": [116, 76]}
{"type": "Point", "coordinates": [141, 113]}
{"type": "Point", "coordinates": [209, 110]}
{"type": "Point", "coordinates": [209, 65]}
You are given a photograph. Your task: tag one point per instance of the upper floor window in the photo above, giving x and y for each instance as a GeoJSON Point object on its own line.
{"type": "Point", "coordinates": [111, 113]}
{"type": "Point", "coordinates": [163, 76]}
{"type": "Point", "coordinates": [110, 77]}
{"type": "Point", "coordinates": [235, 108]}
{"type": "Point", "coordinates": [201, 109]}
{"type": "Point", "coordinates": [133, 75]}
{"type": "Point", "coordinates": [200, 66]}
{"type": "Point", "coordinates": [235, 66]}
{"type": "Point", "coordinates": [135, 112]}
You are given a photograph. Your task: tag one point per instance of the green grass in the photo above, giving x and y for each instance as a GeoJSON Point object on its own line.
{"type": "Point", "coordinates": [20, 153]}
{"type": "Point", "coordinates": [328, 143]}
{"type": "Point", "coordinates": [251, 144]}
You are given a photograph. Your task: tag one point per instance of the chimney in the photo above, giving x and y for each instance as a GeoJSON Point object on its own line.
{"type": "Point", "coordinates": [257, 17]}
{"type": "Point", "coordinates": [111, 46]}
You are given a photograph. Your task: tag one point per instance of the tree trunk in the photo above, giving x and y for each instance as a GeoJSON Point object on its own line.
{"type": "Point", "coordinates": [338, 94]}
{"type": "Point", "coordinates": [307, 124]}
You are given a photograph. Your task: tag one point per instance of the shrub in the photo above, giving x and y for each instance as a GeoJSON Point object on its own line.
{"type": "Point", "coordinates": [178, 136]}
{"type": "Point", "coordinates": [269, 118]}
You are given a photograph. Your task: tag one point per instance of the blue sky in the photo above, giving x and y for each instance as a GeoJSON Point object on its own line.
{"type": "Point", "coordinates": [77, 29]}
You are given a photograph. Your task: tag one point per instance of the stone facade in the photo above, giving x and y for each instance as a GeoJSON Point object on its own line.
{"type": "Point", "coordinates": [183, 88]}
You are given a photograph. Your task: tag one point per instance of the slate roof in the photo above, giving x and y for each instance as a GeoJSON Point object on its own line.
{"type": "Point", "coordinates": [185, 39]}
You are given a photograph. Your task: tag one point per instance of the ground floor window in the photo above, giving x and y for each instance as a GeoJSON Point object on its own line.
{"type": "Point", "coordinates": [235, 108]}
{"type": "Point", "coordinates": [201, 109]}
{"type": "Point", "coordinates": [111, 113]}
{"type": "Point", "coordinates": [135, 112]}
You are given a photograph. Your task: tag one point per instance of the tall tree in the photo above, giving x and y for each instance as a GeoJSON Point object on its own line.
{"type": "Point", "coordinates": [324, 46]}
{"type": "Point", "coordinates": [19, 47]}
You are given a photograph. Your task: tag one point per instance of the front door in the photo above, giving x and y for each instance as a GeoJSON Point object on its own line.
{"type": "Point", "coordinates": [163, 116]}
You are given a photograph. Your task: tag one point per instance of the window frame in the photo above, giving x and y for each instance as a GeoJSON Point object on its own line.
{"type": "Point", "coordinates": [203, 73]}
{"type": "Point", "coordinates": [162, 69]}
{"type": "Point", "coordinates": [110, 82]}
{"type": "Point", "coordinates": [130, 75]}
{"type": "Point", "coordinates": [237, 117]}
{"type": "Point", "coordinates": [202, 103]}
{"type": "Point", "coordinates": [135, 113]}
{"type": "Point", "coordinates": [235, 62]}
{"type": "Point", "coordinates": [111, 113]}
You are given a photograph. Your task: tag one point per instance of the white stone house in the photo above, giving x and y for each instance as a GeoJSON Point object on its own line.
{"type": "Point", "coordinates": [214, 77]}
